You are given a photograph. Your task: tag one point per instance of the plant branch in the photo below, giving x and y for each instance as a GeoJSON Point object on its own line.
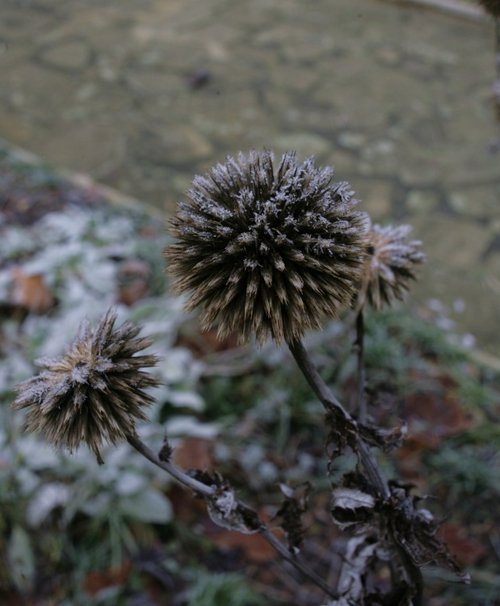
{"type": "Point", "coordinates": [177, 473]}
{"type": "Point", "coordinates": [209, 492]}
{"type": "Point", "coordinates": [289, 557]}
{"type": "Point", "coordinates": [366, 457]}
{"type": "Point", "coordinates": [360, 356]}
{"type": "Point", "coordinates": [331, 403]}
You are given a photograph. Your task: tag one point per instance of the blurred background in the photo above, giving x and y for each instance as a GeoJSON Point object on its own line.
{"type": "Point", "coordinates": [138, 96]}
{"type": "Point", "coordinates": [143, 95]}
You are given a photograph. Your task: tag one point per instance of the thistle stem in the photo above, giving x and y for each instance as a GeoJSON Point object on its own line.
{"type": "Point", "coordinates": [361, 378]}
{"type": "Point", "coordinates": [331, 403]}
{"type": "Point", "coordinates": [209, 492]}
{"type": "Point", "coordinates": [366, 457]}
{"type": "Point", "coordinates": [170, 468]}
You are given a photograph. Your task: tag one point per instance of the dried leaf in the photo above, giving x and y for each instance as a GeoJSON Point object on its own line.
{"type": "Point", "coordinates": [415, 530]}
{"type": "Point", "coordinates": [254, 546]}
{"type": "Point", "coordinates": [384, 439]}
{"type": "Point", "coordinates": [360, 551]}
{"type": "Point", "coordinates": [291, 510]}
{"type": "Point", "coordinates": [224, 510]}
{"type": "Point", "coordinates": [466, 549]}
{"type": "Point", "coordinates": [31, 292]}
{"type": "Point", "coordinates": [351, 506]}
{"type": "Point", "coordinates": [194, 453]}
{"type": "Point", "coordinates": [97, 580]}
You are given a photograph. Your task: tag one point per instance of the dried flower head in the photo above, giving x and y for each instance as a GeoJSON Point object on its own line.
{"type": "Point", "coordinates": [95, 392]}
{"type": "Point", "coordinates": [491, 6]}
{"type": "Point", "coordinates": [392, 264]}
{"type": "Point", "coordinates": [267, 251]}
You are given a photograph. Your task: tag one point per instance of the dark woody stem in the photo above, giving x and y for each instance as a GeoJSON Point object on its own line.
{"type": "Point", "coordinates": [366, 458]}
{"type": "Point", "coordinates": [331, 403]}
{"type": "Point", "coordinates": [360, 355]}
{"type": "Point", "coordinates": [209, 492]}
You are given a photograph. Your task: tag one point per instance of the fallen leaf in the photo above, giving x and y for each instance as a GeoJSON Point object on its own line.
{"type": "Point", "coordinates": [253, 546]}
{"type": "Point", "coordinates": [133, 281]}
{"type": "Point", "coordinates": [194, 453]}
{"type": "Point", "coordinates": [466, 549]}
{"type": "Point", "coordinates": [97, 580]}
{"type": "Point", "coordinates": [31, 292]}
{"type": "Point", "coordinates": [434, 417]}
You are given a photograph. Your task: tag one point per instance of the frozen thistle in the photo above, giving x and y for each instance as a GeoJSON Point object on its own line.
{"type": "Point", "coordinates": [392, 264]}
{"type": "Point", "coordinates": [265, 250]}
{"type": "Point", "coordinates": [95, 392]}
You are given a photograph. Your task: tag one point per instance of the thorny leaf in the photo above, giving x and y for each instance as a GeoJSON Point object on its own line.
{"type": "Point", "coordinates": [351, 506]}
{"type": "Point", "coordinates": [165, 451]}
{"type": "Point", "coordinates": [342, 434]}
{"type": "Point", "coordinates": [384, 439]}
{"type": "Point", "coordinates": [291, 510]}
{"type": "Point", "coordinates": [225, 511]}
{"type": "Point", "coordinates": [415, 531]}
{"type": "Point", "coordinates": [360, 552]}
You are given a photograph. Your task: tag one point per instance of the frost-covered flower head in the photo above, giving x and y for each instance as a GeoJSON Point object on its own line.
{"type": "Point", "coordinates": [95, 392]}
{"type": "Point", "coordinates": [392, 264]}
{"type": "Point", "coordinates": [267, 250]}
{"type": "Point", "coordinates": [491, 6]}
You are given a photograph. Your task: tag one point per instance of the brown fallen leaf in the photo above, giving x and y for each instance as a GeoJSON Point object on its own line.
{"type": "Point", "coordinates": [31, 292]}
{"type": "Point", "coordinates": [96, 580]}
{"type": "Point", "coordinates": [133, 281]}
{"type": "Point", "coordinates": [465, 548]}
{"type": "Point", "coordinates": [194, 453]}
{"type": "Point", "coordinates": [253, 546]}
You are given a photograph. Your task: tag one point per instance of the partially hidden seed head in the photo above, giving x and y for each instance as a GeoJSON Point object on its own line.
{"type": "Point", "coordinates": [393, 260]}
{"type": "Point", "coordinates": [267, 249]}
{"type": "Point", "coordinates": [95, 392]}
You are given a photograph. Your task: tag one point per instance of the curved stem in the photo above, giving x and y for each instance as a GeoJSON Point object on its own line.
{"type": "Point", "coordinates": [360, 355]}
{"type": "Point", "coordinates": [209, 492]}
{"type": "Point", "coordinates": [331, 403]}
{"type": "Point", "coordinates": [286, 555]}
{"type": "Point", "coordinates": [170, 468]}
{"type": "Point", "coordinates": [366, 457]}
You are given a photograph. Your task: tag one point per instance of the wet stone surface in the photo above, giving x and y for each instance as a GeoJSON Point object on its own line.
{"type": "Point", "coordinates": [144, 95]}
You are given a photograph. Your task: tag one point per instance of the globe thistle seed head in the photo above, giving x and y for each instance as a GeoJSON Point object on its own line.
{"type": "Point", "coordinates": [491, 6]}
{"type": "Point", "coordinates": [95, 392]}
{"type": "Point", "coordinates": [267, 250]}
{"type": "Point", "coordinates": [391, 265]}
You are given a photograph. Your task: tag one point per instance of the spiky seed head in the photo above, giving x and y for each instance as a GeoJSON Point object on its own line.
{"type": "Point", "coordinates": [491, 6]}
{"type": "Point", "coordinates": [267, 250]}
{"type": "Point", "coordinates": [391, 265]}
{"type": "Point", "coordinates": [95, 392]}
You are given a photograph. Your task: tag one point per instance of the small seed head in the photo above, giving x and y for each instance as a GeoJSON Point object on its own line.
{"type": "Point", "coordinates": [391, 265]}
{"type": "Point", "coordinates": [95, 392]}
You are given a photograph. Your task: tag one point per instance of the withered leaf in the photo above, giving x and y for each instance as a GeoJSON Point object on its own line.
{"type": "Point", "coordinates": [225, 511]}
{"type": "Point", "coordinates": [291, 510]}
{"type": "Point", "coordinates": [351, 506]}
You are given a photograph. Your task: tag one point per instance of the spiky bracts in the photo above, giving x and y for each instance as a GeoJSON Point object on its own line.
{"type": "Point", "coordinates": [95, 392]}
{"type": "Point", "coordinates": [265, 250]}
{"type": "Point", "coordinates": [392, 264]}
{"type": "Point", "coordinates": [491, 6]}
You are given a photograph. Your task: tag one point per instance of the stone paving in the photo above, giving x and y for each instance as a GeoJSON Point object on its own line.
{"type": "Point", "coordinates": [143, 94]}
